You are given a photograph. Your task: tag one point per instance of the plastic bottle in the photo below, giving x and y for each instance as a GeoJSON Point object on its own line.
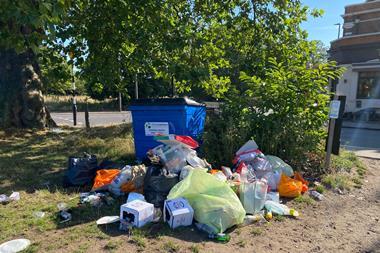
{"type": "Point", "coordinates": [123, 177]}
{"type": "Point", "coordinates": [280, 209]}
{"type": "Point", "coordinates": [205, 228]}
{"type": "Point", "coordinates": [316, 195]}
{"type": "Point", "coordinates": [250, 219]}
{"type": "Point", "coordinates": [221, 237]}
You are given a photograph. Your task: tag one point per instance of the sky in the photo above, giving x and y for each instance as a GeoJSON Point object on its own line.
{"type": "Point", "coordinates": [323, 28]}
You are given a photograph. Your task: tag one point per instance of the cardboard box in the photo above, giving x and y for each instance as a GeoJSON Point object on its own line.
{"type": "Point", "coordinates": [137, 213]}
{"type": "Point", "coordinates": [178, 212]}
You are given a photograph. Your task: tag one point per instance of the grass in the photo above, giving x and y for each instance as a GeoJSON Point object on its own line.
{"type": "Point", "coordinates": [139, 241]}
{"type": "Point", "coordinates": [256, 231]}
{"type": "Point", "coordinates": [320, 188]}
{"type": "Point", "coordinates": [111, 246]}
{"type": "Point", "coordinates": [195, 248]}
{"type": "Point", "coordinates": [33, 163]}
{"type": "Point", "coordinates": [64, 104]}
{"type": "Point", "coordinates": [348, 172]}
{"type": "Point", "coordinates": [304, 199]}
{"type": "Point", "coordinates": [170, 247]}
{"type": "Point", "coordinates": [337, 181]}
{"type": "Point", "coordinates": [242, 243]}
{"type": "Point", "coordinates": [279, 218]}
{"type": "Point", "coordinates": [346, 161]}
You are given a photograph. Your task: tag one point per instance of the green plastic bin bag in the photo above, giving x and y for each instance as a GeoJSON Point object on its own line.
{"type": "Point", "coordinates": [213, 201]}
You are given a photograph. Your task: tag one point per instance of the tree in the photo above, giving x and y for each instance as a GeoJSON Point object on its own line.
{"type": "Point", "coordinates": [24, 24]}
{"type": "Point", "coordinates": [56, 74]}
{"type": "Point", "coordinates": [278, 93]}
{"type": "Point", "coordinates": [171, 40]}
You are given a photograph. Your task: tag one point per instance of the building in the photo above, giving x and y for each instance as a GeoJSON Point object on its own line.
{"type": "Point", "coordinates": [359, 52]}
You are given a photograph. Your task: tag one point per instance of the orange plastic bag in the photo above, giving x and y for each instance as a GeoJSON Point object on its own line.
{"type": "Point", "coordinates": [305, 184]}
{"type": "Point", "coordinates": [104, 178]}
{"type": "Point", "coordinates": [289, 187]}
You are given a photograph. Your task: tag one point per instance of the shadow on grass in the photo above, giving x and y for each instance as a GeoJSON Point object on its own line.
{"type": "Point", "coordinates": [37, 160]}
{"type": "Point", "coordinates": [157, 230]}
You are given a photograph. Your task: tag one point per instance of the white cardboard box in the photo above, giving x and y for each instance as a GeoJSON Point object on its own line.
{"type": "Point", "coordinates": [138, 213]}
{"type": "Point", "coordinates": [178, 212]}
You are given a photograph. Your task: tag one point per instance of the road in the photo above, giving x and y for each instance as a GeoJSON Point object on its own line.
{"type": "Point", "coordinates": [96, 118]}
{"type": "Point", "coordinates": [365, 142]}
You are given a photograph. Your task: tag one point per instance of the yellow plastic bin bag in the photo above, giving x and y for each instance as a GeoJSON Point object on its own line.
{"type": "Point", "coordinates": [213, 201]}
{"type": "Point", "coordinates": [289, 187]}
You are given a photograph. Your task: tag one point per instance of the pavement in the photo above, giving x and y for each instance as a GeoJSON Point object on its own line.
{"type": "Point", "coordinates": [361, 137]}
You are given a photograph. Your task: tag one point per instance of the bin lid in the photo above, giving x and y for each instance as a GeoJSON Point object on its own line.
{"type": "Point", "coordinates": [165, 101]}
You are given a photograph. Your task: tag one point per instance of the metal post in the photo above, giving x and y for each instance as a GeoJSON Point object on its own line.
{"type": "Point", "coordinates": [74, 97]}
{"type": "Point", "coordinates": [339, 28]}
{"type": "Point", "coordinates": [136, 88]}
{"type": "Point", "coordinates": [120, 103]}
{"type": "Point", "coordinates": [330, 140]}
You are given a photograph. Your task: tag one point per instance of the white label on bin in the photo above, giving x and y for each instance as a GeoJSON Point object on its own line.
{"type": "Point", "coordinates": [156, 128]}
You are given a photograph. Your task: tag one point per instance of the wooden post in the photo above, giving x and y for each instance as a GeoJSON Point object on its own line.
{"type": "Point", "coordinates": [329, 143]}
{"type": "Point", "coordinates": [87, 116]}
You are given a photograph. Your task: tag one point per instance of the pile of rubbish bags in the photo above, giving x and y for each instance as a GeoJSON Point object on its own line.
{"type": "Point", "coordinates": [173, 184]}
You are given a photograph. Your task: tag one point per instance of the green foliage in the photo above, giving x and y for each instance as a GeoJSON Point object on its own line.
{"type": "Point", "coordinates": [25, 24]}
{"type": "Point", "coordinates": [278, 95]}
{"type": "Point", "coordinates": [56, 73]}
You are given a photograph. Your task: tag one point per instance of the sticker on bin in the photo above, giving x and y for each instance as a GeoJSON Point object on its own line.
{"type": "Point", "coordinates": [156, 128]}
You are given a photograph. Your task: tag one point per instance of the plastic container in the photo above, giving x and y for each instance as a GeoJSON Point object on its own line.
{"type": "Point", "coordinates": [173, 157]}
{"type": "Point", "coordinates": [152, 117]}
{"type": "Point", "coordinates": [280, 209]}
{"type": "Point", "coordinates": [253, 196]}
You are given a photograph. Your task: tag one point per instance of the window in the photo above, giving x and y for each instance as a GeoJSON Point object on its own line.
{"type": "Point", "coordinates": [369, 85]}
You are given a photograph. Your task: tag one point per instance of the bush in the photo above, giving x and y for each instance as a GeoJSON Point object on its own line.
{"type": "Point", "coordinates": [284, 112]}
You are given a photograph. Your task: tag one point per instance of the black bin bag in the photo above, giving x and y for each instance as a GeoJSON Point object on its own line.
{"type": "Point", "coordinates": [81, 170]}
{"type": "Point", "coordinates": [157, 186]}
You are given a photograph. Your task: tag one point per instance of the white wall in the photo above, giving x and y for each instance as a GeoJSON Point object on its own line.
{"type": "Point", "coordinates": [348, 86]}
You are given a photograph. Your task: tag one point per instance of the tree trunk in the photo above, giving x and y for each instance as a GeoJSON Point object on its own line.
{"type": "Point", "coordinates": [21, 100]}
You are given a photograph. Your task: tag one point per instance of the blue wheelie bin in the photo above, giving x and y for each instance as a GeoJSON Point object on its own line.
{"type": "Point", "coordinates": [164, 116]}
